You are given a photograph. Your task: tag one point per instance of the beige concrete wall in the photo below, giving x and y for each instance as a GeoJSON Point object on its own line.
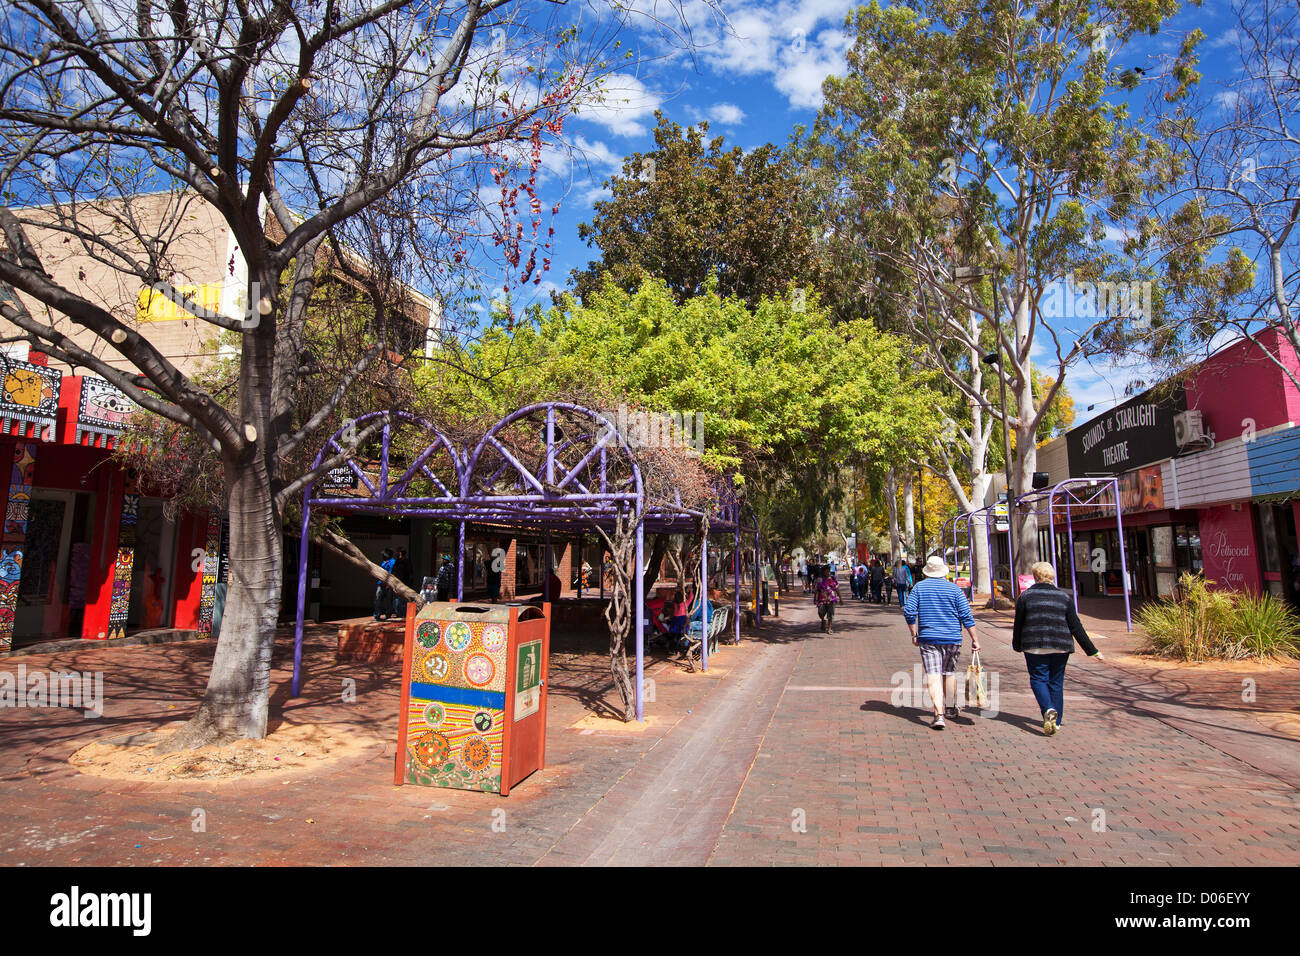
{"type": "Point", "coordinates": [196, 242]}
{"type": "Point", "coordinates": [199, 251]}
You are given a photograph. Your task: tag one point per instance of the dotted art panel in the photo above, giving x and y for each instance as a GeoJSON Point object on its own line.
{"type": "Point", "coordinates": [15, 535]}
{"type": "Point", "coordinates": [454, 745]}
{"type": "Point", "coordinates": [462, 654]}
{"type": "Point", "coordinates": [120, 603]}
{"type": "Point", "coordinates": [211, 561]}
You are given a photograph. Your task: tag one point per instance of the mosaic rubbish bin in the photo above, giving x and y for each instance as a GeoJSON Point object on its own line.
{"type": "Point", "coordinates": [473, 713]}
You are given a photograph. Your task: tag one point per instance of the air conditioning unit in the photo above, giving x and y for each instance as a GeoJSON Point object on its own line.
{"type": "Point", "coordinates": [1189, 429]}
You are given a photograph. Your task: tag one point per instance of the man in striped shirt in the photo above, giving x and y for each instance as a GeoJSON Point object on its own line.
{"type": "Point", "coordinates": [936, 610]}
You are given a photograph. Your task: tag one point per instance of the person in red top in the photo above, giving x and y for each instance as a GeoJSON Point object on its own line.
{"type": "Point", "coordinates": [827, 596]}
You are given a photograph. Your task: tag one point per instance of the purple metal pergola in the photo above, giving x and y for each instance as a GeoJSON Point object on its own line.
{"type": "Point", "coordinates": [1096, 489]}
{"type": "Point", "coordinates": [586, 474]}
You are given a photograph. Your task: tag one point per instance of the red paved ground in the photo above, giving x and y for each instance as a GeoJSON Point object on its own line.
{"type": "Point", "coordinates": [793, 721]}
{"type": "Point", "coordinates": [877, 785]}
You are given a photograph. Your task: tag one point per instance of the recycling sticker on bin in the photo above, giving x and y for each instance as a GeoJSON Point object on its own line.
{"type": "Point", "coordinates": [528, 679]}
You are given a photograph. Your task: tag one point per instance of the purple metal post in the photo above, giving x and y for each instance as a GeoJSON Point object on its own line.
{"type": "Point", "coordinates": [704, 603]}
{"type": "Point", "coordinates": [1011, 548]}
{"type": "Point", "coordinates": [988, 543]}
{"type": "Point", "coordinates": [1123, 560]}
{"type": "Point", "coordinates": [579, 559]}
{"type": "Point", "coordinates": [460, 563]}
{"type": "Point", "coordinates": [639, 620]}
{"type": "Point", "coordinates": [1069, 535]}
{"type": "Point", "coordinates": [735, 569]}
{"type": "Point", "coordinates": [302, 595]}
{"type": "Point", "coordinates": [758, 603]}
{"type": "Point", "coordinates": [1051, 534]}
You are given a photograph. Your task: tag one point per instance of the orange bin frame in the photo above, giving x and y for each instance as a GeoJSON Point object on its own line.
{"type": "Point", "coordinates": [455, 728]}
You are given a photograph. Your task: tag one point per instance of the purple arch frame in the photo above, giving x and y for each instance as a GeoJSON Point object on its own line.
{"type": "Point", "coordinates": [547, 500]}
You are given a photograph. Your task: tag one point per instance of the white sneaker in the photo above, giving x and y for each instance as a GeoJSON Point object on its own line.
{"type": "Point", "coordinates": [1049, 722]}
{"type": "Point", "coordinates": [938, 723]}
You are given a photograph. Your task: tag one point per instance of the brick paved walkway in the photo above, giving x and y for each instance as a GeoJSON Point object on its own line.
{"type": "Point", "coordinates": [874, 784]}
{"type": "Point", "coordinates": [794, 726]}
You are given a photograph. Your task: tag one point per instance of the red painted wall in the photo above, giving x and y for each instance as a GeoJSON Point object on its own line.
{"type": "Point", "coordinates": [1229, 548]}
{"type": "Point", "coordinates": [103, 552]}
{"type": "Point", "coordinates": [191, 533]}
{"type": "Point", "coordinates": [1242, 383]}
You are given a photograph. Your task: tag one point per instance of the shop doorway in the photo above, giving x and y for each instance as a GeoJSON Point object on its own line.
{"type": "Point", "coordinates": [152, 570]}
{"type": "Point", "coordinates": [56, 561]}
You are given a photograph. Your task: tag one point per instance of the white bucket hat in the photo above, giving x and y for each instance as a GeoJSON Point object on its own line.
{"type": "Point", "coordinates": [935, 568]}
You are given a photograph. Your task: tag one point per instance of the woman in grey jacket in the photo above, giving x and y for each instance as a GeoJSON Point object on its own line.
{"type": "Point", "coordinates": [1045, 630]}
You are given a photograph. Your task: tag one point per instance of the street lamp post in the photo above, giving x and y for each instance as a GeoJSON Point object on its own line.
{"type": "Point", "coordinates": [995, 358]}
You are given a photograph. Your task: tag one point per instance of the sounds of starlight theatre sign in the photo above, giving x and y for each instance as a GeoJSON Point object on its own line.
{"type": "Point", "coordinates": [1137, 433]}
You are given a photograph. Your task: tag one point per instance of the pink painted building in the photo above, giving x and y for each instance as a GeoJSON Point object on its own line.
{"type": "Point", "coordinates": [1209, 468]}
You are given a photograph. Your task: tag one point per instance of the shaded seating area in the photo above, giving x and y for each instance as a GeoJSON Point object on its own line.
{"type": "Point", "coordinates": [550, 466]}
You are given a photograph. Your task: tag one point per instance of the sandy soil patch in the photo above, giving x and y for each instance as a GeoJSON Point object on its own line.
{"type": "Point", "coordinates": [1244, 666]}
{"type": "Point", "coordinates": [594, 723]}
{"type": "Point", "coordinates": [290, 749]}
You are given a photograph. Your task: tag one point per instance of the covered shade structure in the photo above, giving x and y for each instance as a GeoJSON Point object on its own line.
{"type": "Point", "coordinates": [1063, 501]}
{"type": "Point", "coordinates": [547, 466]}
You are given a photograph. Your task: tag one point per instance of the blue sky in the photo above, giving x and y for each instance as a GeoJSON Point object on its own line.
{"type": "Point", "coordinates": [755, 83]}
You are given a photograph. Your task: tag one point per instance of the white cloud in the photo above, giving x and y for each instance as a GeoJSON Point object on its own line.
{"type": "Point", "coordinates": [596, 154]}
{"type": "Point", "coordinates": [796, 43]}
{"type": "Point", "coordinates": [724, 114]}
{"type": "Point", "coordinates": [1229, 37]}
{"type": "Point", "coordinates": [623, 105]}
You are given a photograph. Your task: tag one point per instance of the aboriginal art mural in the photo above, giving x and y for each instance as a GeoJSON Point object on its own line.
{"type": "Point", "coordinates": [15, 536]}
{"type": "Point", "coordinates": [455, 720]}
{"type": "Point", "coordinates": [103, 411]}
{"type": "Point", "coordinates": [29, 394]}
{"type": "Point", "coordinates": [211, 561]}
{"type": "Point", "coordinates": [120, 604]}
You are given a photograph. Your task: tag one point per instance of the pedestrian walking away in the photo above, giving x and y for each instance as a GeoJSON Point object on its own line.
{"type": "Point", "coordinates": [383, 593]}
{"type": "Point", "coordinates": [877, 580]}
{"type": "Point", "coordinates": [1045, 629]}
{"type": "Point", "coordinates": [446, 578]}
{"type": "Point", "coordinates": [902, 580]}
{"type": "Point", "coordinates": [828, 595]}
{"type": "Point", "coordinates": [936, 612]}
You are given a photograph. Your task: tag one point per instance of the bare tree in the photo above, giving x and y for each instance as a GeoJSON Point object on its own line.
{"type": "Point", "coordinates": [365, 130]}
{"type": "Point", "coordinates": [1238, 143]}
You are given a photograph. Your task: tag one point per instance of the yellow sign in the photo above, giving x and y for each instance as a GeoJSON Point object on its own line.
{"type": "Point", "coordinates": [156, 305]}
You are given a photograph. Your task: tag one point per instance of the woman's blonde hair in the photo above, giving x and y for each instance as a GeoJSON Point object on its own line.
{"type": "Point", "coordinates": [1043, 572]}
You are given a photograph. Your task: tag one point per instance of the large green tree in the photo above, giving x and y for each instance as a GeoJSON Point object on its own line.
{"type": "Point", "coordinates": [689, 208]}
{"type": "Point", "coordinates": [981, 152]}
{"type": "Point", "coordinates": [786, 397]}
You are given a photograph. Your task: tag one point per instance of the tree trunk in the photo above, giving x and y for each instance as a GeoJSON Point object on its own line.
{"type": "Point", "coordinates": [891, 492]}
{"type": "Point", "coordinates": [239, 687]}
{"type": "Point", "coordinates": [1026, 459]}
{"type": "Point", "coordinates": [979, 537]}
{"type": "Point", "coordinates": [657, 551]}
{"type": "Point", "coordinates": [909, 514]}
{"type": "Point", "coordinates": [1027, 536]}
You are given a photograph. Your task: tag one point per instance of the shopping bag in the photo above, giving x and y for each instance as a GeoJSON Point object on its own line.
{"type": "Point", "coordinates": [977, 691]}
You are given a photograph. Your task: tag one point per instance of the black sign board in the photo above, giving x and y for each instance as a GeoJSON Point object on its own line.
{"type": "Point", "coordinates": [1131, 435]}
